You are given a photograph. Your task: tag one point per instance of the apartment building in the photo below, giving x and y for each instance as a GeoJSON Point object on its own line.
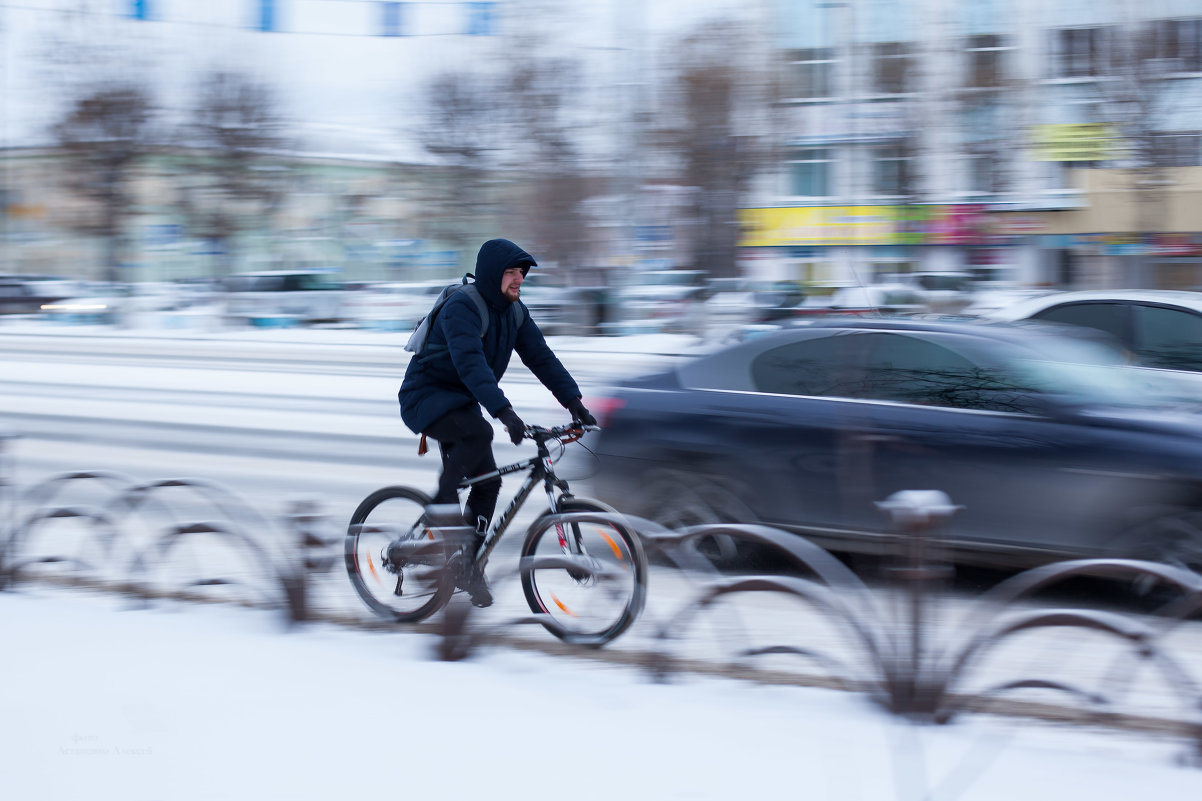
{"type": "Point", "coordinates": [1025, 141]}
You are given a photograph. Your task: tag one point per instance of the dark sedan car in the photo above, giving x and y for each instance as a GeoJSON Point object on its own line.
{"type": "Point", "coordinates": [1050, 445]}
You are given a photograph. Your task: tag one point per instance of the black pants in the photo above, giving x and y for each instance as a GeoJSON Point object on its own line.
{"type": "Point", "coordinates": [465, 440]}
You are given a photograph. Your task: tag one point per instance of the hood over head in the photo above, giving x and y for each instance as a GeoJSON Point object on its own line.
{"type": "Point", "coordinates": [495, 257]}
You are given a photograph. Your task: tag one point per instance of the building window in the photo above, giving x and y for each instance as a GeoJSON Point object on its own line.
{"type": "Point", "coordinates": [892, 68]}
{"type": "Point", "coordinates": [810, 172]}
{"type": "Point", "coordinates": [1178, 43]}
{"type": "Point", "coordinates": [983, 173]}
{"type": "Point", "coordinates": [1058, 175]}
{"type": "Point", "coordinates": [1080, 52]}
{"type": "Point", "coordinates": [1177, 149]}
{"type": "Point", "coordinates": [986, 56]}
{"type": "Point", "coordinates": [812, 73]}
{"type": "Point", "coordinates": [989, 140]}
{"type": "Point", "coordinates": [890, 170]}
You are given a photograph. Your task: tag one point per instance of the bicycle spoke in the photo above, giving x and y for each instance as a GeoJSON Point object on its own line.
{"type": "Point", "coordinates": [394, 562]}
{"type": "Point", "coordinates": [589, 577]}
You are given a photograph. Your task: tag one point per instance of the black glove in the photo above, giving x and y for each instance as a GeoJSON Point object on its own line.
{"type": "Point", "coordinates": [513, 424]}
{"type": "Point", "coordinates": [581, 414]}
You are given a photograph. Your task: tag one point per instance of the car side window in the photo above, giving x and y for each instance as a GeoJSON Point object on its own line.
{"type": "Point", "coordinates": [817, 366]}
{"type": "Point", "coordinates": [306, 283]}
{"type": "Point", "coordinates": [1110, 318]}
{"type": "Point", "coordinates": [1166, 337]}
{"type": "Point", "coordinates": [907, 369]}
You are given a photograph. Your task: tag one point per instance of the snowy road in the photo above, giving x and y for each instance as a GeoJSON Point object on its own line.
{"type": "Point", "coordinates": [328, 397]}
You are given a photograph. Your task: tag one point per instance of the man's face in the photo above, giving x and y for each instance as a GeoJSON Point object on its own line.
{"type": "Point", "coordinates": [511, 283]}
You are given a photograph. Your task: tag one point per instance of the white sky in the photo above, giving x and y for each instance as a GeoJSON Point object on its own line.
{"type": "Point", "coordinates": [345, 87]}
{"type": "Point", "coordinates": [189, 702]}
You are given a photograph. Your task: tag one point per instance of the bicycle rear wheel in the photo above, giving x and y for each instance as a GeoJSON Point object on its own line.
{"type": "Point", "coordinates": [589, 577]}
{"type": "Point", "coordinates": [395, 562]}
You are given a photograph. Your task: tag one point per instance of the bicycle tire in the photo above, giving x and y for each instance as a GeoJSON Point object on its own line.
{"type": "Point", "coordinates": [590, 610]}
{"type": "Point", "coordinates": [383, 517]}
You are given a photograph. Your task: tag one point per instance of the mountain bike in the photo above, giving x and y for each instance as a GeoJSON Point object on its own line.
{"type": "Point", "coordinates": [582, 568]}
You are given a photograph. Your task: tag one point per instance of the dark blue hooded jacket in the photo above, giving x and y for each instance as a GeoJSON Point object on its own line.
{"type": "Point", "coordinates": [469, 370]}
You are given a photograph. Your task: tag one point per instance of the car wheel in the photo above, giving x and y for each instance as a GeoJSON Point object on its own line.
{"type": "Point", "coordinates": [1172, 536]}
{"type": "Point", "coordinates": [677, 500]}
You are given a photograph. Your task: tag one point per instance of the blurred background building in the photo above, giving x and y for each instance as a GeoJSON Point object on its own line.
{"type": "Point", "coordinates": [810, 141]}
{"type": "Point", "coordinates": [1043, 143]}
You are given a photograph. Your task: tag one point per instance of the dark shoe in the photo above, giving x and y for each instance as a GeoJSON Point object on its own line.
{"type": "Point", "coordinates": [477, 590]}
{"type": "Point", "coordinates": [472, 580]}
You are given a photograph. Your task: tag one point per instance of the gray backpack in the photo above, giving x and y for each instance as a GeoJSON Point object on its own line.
{"type": "Point", "coordinates": [417, 340]}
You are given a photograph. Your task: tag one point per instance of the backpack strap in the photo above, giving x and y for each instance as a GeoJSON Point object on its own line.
{"type": "Point", "coordinates": [516, 310]}
{"type": "Point", "coordinates": [474, 293]}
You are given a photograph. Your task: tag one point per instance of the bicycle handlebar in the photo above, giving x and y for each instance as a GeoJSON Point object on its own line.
{"type": "Point", "coordinates": [574, 430]}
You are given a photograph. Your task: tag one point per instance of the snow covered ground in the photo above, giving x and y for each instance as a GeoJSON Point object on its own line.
{"type": "Point", "coordinates": [200, 702]}
{"type": "Point", "coordinates": [101, 701]}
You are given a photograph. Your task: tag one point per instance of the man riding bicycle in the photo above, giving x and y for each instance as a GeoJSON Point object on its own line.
{"type": "Point", "coordinates": [458, 372]}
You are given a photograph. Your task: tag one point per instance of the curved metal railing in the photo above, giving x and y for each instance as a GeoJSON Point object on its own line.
{"type": "Point", "coordinates": [107, 530]}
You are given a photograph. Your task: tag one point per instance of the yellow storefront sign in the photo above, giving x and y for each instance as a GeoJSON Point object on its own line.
{"type": "Point", "coordinates": [1084, 142]}
{"type": "Point", "coordinates": [819, 226]}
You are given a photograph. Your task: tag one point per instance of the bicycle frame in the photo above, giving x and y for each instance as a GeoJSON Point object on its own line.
{"type": "Point", "coordinates": [541, 469]}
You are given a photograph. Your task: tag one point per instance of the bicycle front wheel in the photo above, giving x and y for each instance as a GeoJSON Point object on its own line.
{"type": "Point", "coordinates": [589, 578]}
{"type": "Point", "coordinates": [395, 562]}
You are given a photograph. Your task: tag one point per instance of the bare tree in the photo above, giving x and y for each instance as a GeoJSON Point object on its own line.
{"type": "Point", "coordinates": [462, 112]}
{"type": "Point", "coordinates": [104, 134]}
{"type": "Point", "coordinates": [1139, 99]}
{"type": "Point", "coordinates": [234, 177]}
{"type": "Point", "coordinates": [511, 135]}
{"type": "Point", "coordinates": [543, 147]}
{"type": "Point", "coordinates": [721, 132]}
{"type": "Point", "coordinates": [99, 71]}
{"type": "Point", "coordinates": [975, 87]}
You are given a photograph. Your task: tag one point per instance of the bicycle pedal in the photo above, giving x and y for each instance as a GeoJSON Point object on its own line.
{"type": "Point", "coordinates": [400, 578]}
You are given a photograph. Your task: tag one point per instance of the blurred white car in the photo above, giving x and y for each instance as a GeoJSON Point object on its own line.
{"type": "Point", "coordinates": [730, 306]}
{"type": "Point", "coordinates": [121, 303]}
{"type": "Point", "coordinates": [25, 294]}
{"type": "Point", "coordinates": [395, 306]}
{"type": "Point", "coordinates": [662, 301]}
{"type": "Point", "coordinates": [945, 292]}
{"type": "Point", "coordinates": [876, 298]}
{"type": "Point", "coordinates": [282, 297]}
{"type": "Point", "coordinates": [1161, 328]}
{"type": "Point", "coordinates": [989, 298]}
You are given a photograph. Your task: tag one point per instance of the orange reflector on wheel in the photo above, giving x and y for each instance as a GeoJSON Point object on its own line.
{"type": "Point", "coordinates": [613, 546]}
{"type": "Point", "coordinates": [372, 567]}
{"type": "Point", "coordinates": [562, 608]}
